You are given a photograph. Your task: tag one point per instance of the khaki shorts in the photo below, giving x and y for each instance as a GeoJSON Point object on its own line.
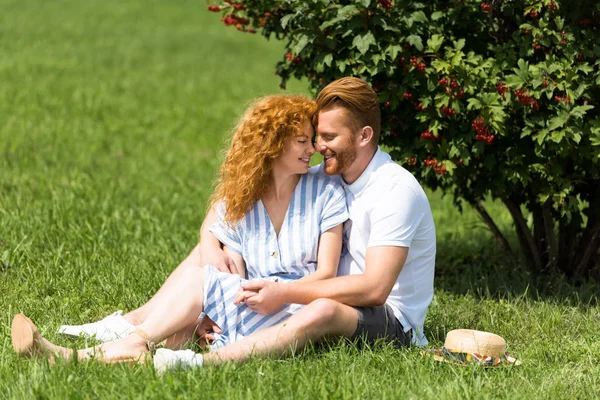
{"type": "Point", "coordinates": [380, 323]}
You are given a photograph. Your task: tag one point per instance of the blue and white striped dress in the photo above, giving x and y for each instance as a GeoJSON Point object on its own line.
{"type": "Point", "coordinates": [317, 205]}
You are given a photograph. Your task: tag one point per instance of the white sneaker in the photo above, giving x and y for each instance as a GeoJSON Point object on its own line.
{"type": "Point", "coordinates": [110, 328]}
{"type": "Point", "coordinates": [166, 360]}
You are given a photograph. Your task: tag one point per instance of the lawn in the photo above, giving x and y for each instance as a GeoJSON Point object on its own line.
{"type": "Point", "coordinates": [113, 117]}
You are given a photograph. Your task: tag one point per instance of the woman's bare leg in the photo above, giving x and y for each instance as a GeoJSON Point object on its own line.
{"type": "Point", "coordinates": [177, 310]}
{"type": "Point", "coordinates": [139, 315]}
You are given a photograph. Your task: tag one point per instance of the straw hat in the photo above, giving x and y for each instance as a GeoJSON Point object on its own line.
{"type": "Point", "coordinates": [466, 346]}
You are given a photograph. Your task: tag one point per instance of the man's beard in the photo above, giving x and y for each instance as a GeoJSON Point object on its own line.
{"type": "Point", "coordinates": [341, 161]}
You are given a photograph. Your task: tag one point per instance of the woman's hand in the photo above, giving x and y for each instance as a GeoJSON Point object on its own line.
{"type": "Point", "coordinates": [263, 297]}
{"type": "Point", "coordinates": [206, 331]}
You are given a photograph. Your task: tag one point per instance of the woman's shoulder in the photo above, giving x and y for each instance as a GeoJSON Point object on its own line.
{"type": "Point", "coordinates": [324, 183]}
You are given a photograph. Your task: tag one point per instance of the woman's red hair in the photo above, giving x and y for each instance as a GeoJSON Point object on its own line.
{"type": "Point", "coordinates": [245, 176]}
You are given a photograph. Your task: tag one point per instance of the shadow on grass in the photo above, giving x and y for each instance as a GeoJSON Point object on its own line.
{"type": "Point", "coordinates": [484, 271]}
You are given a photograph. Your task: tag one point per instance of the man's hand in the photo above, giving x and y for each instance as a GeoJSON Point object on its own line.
{"type": "Point", "coordinates": [263, 297]}
{"type": "Point", "coordinates": [217, 258]}
{"type": "Point", "coordinates": [206, 330]}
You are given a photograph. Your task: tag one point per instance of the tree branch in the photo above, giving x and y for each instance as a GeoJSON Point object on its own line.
{"type": "Point", "coordinates": [492, 225]}
{"type": "Point", "coordinates": [550, 237]}
{"type": "Point", "coordinates": [589, 241]}
{"type": "Point", "coordinates": [521, 225]}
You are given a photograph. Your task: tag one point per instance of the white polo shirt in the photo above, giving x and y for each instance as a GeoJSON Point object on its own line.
{"type": "Point", "coordinates": [388, 207]}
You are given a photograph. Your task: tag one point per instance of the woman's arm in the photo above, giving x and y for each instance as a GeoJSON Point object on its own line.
{"type": "Point", "coordinates": [239, 266]}
{"type": "Point", "coordinates": [211, 251]}
{"type": "Point", "coordinates": [328, 255]}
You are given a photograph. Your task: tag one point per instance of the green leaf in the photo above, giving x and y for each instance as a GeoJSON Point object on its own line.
{"type": "Point", "coordinates": [416, 41]}
{"type": "Point", "coordinates": [419, 16]}
{"type": "Point", "coordinates": [302, 42]}
{"type": "Point", "coordinates": [558, 121]}
{"type": "Point", "coordinates": [363, 42]}
{"type": "Point", "coordinates": [580, 111]}
{"type": "Point", "coordinates": [347, 12]}
{"type": "Point", "coordinates": [393, 51]}
{"type": "Point", "coordinates": [436, 15]}
{"type": "Point", "coordinates": [434, 43]}
{"type": "Point", "coordinates": [328, 59]}
{"type": "Point", "coordinates": [286, 19]}
{"type": "Point", "coordinates": [560, 22]}
{"type": "Point", "coordinates": [557, 136]}
{"type": "Point", "coordinates": [474, 104]}
{"type": "Point", "coordinates": [459, 44]}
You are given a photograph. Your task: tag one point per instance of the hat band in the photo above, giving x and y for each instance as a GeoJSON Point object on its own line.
{"type": "Point", "coordinates": [465, 358]}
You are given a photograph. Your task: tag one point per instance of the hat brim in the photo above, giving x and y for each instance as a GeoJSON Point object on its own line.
{"type": "Point", "coordinates": [438, 356]}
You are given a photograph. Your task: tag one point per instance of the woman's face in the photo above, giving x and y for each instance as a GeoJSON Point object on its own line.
{"type": "Point", "coordinates": [297, 150]}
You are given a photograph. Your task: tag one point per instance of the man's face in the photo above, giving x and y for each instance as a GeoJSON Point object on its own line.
{"type": "Point", "coordinates": [335, 141]}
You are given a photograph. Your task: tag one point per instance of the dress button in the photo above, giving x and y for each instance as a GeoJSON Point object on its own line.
{"type": "Point", "coordinates": [275, 254]}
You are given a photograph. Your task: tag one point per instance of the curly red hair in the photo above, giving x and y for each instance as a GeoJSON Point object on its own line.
{"type": "Point", "coordinates": [257, 140]}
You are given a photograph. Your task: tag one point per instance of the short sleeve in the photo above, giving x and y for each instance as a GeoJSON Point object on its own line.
{"type": "Point", "coordinates": [228, 235]}
{"type": "Point", "coordinates": [395, 217]}
{"type": "Point", "coordinates": [335, 211]}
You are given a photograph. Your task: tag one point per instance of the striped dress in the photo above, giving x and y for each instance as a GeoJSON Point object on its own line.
{"type": "Point", "coordinates": [317, 205]}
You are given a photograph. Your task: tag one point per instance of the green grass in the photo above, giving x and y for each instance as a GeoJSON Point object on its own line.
{"type": "Point", "coordinates": [112, 119]}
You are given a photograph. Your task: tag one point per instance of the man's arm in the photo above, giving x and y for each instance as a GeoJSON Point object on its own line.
{"type": "Point", "coordinates": [383, 265]}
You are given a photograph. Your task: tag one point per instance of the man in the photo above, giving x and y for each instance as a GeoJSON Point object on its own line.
{"type": "Point", "coordinates": [385, 278]}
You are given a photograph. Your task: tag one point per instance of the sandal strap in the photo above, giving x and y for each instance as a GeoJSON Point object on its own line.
{"type": "Point", "coordinates": [150, 344]}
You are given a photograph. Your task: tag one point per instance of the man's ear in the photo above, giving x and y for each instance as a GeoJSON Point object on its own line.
{"type": "Point", "coordinates": [366, 136]}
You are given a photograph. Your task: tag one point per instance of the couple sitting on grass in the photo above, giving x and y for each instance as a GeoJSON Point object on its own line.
{"type": "Point", "coordinates": [288, 253]}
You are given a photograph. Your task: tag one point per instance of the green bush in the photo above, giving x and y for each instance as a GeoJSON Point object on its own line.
{"type": "Point", "coordinates": [478, 98]}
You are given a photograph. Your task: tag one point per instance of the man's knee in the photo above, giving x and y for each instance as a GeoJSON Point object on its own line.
{"type": "Point", "coordinates": [324, 317]}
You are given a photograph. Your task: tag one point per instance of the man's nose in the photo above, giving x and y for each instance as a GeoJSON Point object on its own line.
{"type": "Point", "coordinates": [319, 144]}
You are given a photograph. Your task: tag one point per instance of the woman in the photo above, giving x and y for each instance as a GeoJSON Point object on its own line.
{"type": "Point", "coordinates": [275, 220]}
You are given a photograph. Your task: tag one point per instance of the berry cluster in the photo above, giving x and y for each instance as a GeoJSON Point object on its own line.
{"type": "Point", "coordinates": [447, 111]}
{"type": "Point", "coordinates": [385, 3]}
{"type": "Point", "coordinates": [483, 133]}
{"type": "Point", "coordinates": [564, 37]}
{"type": "Point", "coordinates": [420, 107]}
{"type": "Point", "coordinates": [214, 8]}
{"type": "Point", "coordinates": [411, 161]}
{"type": "Point", "coordinates": [433, 163]}
{"type": "Point", "coordinates": [486, 7]}
{"type": "Point", "coordinates": [452, 86]}
{"type": "Point", "coordinates": [426, 135]}
{"type": "Point", "coordinates": [552, 6]}
{"type": "Point", "coordinates": [534, 14]}
{"type": "Point", "coordinates": [233, 20]}
{"type": "Point", "coordinates": [565, 99]}
{"type": "Point", "coordinates": [418, 64]}
{"type": "Point", "coordinates": [526, 100]}
{"type": "Point", "coordinates": [290, 57]}
{"type": "Point", "coordinates": [440, 169]}
{"type": "Point", "coordinates": [430, 161]}
{"type": "Point", "coordinates": [407, 96]}
{"type": "Point", "coordinates": [501, 88]}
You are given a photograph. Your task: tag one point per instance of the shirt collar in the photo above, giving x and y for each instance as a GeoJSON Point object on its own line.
{"type": "Point", "coordinates": [379, 158]}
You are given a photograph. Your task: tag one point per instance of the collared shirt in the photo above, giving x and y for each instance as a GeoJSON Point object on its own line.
{"type": "Point", "coordinates": [388, 207]}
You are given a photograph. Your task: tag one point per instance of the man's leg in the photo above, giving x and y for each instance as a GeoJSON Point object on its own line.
{"type": "Point", "coordinates": [321, 318]}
